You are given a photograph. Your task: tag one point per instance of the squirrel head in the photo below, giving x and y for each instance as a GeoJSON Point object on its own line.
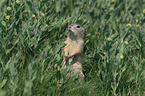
{"type": "Point", "coordinates": [76, 30]}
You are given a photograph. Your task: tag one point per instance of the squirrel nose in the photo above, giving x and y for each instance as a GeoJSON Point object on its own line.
{"type": "Point", "coordinates": [69, 27]}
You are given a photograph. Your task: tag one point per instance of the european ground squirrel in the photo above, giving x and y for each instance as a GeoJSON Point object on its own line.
{"type": "Point", "coordinates": [72, 52]}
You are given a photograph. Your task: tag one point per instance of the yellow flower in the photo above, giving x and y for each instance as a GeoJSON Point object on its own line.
{"type": "Point", "coordinates": [111, 8]}
{"type": "Point", "coordinates": [126, 42]}
{"type": "Point", "coordinates": [136, 21]}
{"type": "Point", "coordinates": [46, 25]}
{"type": "Point", "coordinates": [121, 56]}
{"type": "Point", "coordinates": [109, 39]}
{"type": "Point", "coordinates": [42, 14]}
{"type": "Point", "coordinates": [7, 17]}
{"type": "Point", "coordinates": [104, 53]}
{"type": "Point", "coordinates": [9, 8]}
{"type": "Point", "coordinates": [33, 15]}
{"type": "Point", "coordinates": [113, 0]}
{"type": "Point", "coordinates": [18, 2]}
{"type": "Point", "coordinates": [143, 11]}
{"type": "Point", "coordinates": [129, 25]}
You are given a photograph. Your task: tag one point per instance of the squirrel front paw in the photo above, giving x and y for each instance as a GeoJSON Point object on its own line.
{"type": "Point", "coordinates": [66, 54]}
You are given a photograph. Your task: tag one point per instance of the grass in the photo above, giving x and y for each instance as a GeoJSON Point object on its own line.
{"type": "Point", "coordinates": [32, 33]}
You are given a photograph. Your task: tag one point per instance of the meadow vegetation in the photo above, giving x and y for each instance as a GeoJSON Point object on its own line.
{"type": "Point", "coordinates": [32, 35]}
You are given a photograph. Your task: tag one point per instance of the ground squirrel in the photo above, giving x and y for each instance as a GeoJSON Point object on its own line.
{"type": "Point", "coordinates": [72, 52]}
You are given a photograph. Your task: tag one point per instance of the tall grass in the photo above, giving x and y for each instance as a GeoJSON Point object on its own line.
{"type": "Point", "coordinates": [32, 33]}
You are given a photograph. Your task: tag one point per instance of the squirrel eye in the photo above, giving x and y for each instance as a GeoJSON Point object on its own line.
{"type": "Point", "coordinates": [78, 26]}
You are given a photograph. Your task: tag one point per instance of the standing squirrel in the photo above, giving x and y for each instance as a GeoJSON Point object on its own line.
{"type": "Point", "coordinates": [72, 52]}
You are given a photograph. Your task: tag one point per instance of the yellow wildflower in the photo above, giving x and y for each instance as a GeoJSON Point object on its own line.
{"type": "Point", "coordinates": [143, 11]}
{"type": "Point", "coordinates": [33, 15]}
{"type": "Point", "coordinates": [7, 17]}
{"type": "Point", "coordinates": [121, 56]}
{"type": "Point", "coordinates": [18, 2]}
{"type": "Point", "coordinates": [111, 8]}
{"type": "Point", "coordinates": [42, 14]}
{"type": "Point", "coordinates": [113, 0]}
{"type": "Point", "coordinates": [9, 8]}
{"type": "Point", "coordinates": [46, 25]}
{"type": "Point", "coordinates": [109, 39]}
{"type": "Point", "coordinates": [126, 42]}
{"type": "Point", "coordinates": [129, 25]}
{"type": "Point", "coordinates": [136, 21]}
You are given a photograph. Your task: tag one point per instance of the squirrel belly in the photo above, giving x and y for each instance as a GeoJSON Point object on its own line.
{"type": "Point", "coordinates": [73, 48]}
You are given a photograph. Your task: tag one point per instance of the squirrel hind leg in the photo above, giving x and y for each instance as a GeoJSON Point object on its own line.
{"type": "Point", "coordinates": [77, 70]}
